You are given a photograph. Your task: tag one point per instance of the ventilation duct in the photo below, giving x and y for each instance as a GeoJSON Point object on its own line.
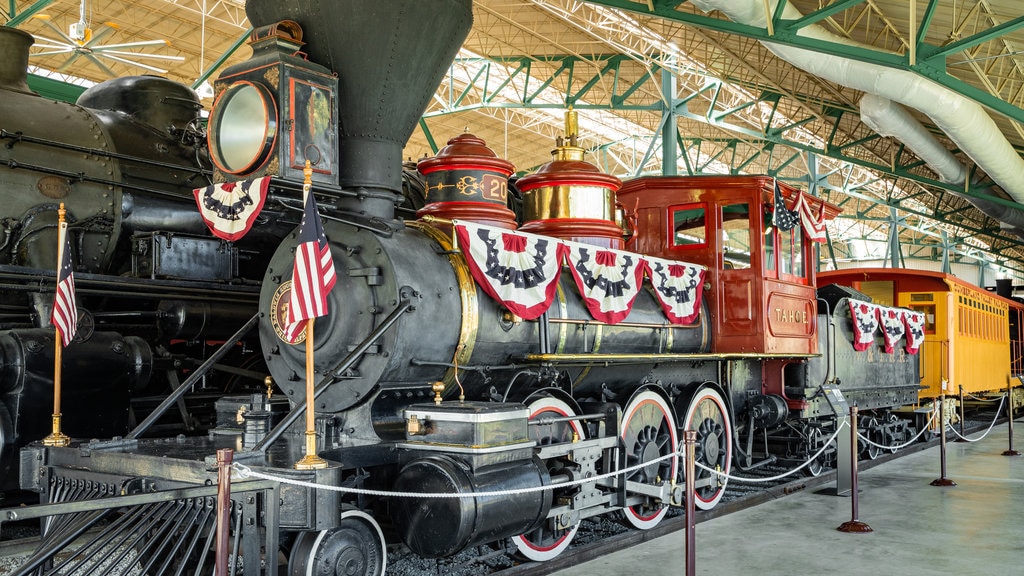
{"type": "Point", "coordinates": [890, 119]}
{"type": "Point", "coordinates": [964, 121]}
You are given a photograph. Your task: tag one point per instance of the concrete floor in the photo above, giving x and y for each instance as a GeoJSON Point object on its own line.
{"type": "Point", "coordinates": [973, 529]}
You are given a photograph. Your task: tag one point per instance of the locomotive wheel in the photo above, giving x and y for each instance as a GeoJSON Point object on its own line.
{"type": "Point", "coordinates": [872, 431]}
{"type": "Point", "coordinates": [648, 433]}
{"type": "Point", "coordinates": [893, 438]}
{"type": "Point", "coordinates": [545, 543]}
{"type": "Point", "coordinates": [354, 548]}
{"type": "Point", "coordinates": [707, 414]}
{"type": "Point", "coordinates": [815, 439]}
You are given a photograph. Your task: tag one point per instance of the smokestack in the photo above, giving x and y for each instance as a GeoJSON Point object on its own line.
{"type": "Point", "coordinates": [390, 57]}
{"type": "Point", "coordinates": [14, 46]}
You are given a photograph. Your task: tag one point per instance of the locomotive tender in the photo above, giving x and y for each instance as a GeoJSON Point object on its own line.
{"type": "Point", "coordinates": [443, 367]}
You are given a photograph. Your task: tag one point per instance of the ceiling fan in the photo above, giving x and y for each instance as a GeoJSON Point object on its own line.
{"type": "Point", "coordinates": [81, 41]}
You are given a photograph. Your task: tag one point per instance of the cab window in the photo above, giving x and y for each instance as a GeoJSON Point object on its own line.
{"type": "Point", "coordinates": [792, 261]}
{"type": "Point", "coordinates": [689, 225]}
{"type": "Point", "coordinates": [736, 235]}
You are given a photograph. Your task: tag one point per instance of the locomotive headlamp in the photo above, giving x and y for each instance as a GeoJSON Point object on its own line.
{"type": "Point", "coordinates": [243, 127]}
{"type": "Point", "coordinates": [274, 112]}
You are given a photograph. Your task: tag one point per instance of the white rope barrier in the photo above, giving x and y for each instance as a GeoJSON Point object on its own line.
{"type": "Point", "coordinates": [244, 472]}
{"type": "Point", "coordinates": [990, 426]}
{"type": "Point", "coordinates": [824, 447]}
{"type": "Point", "coordinates": [924, 429]}
{"type": "Point", "coordinates": [977, 399]}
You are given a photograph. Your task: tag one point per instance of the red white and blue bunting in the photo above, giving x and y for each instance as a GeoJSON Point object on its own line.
{"type": "Point", "coordinates": [914, 322]}
{"type": "Point", "coordinates": [892, 327]}
{"type": "Point", "coordinates": [813, 224]}
{"type": "Point", "coordinates": [865, 322]}
{"type": "Point", "coordinates": [608, 280]}
{"type": "Point", "coordinates": [230, 209]}
{"type": "Point", "coordinates": [895, 322]}
{"type": "Point", "coordinates": [678, 288]}
{"type": "Point", "coordinates": [521, 271]}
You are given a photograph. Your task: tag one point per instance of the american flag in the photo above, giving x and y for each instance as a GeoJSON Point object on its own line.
{"type": "Point", "coordinates": [65, 314]}
{"type": "Point", "coordinates": [784, 218]}
{"type": "Point", "coordinates": [313, 275]}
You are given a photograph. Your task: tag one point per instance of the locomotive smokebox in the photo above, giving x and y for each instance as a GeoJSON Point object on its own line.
{"type": "Point", "coordinates": [390, 58]}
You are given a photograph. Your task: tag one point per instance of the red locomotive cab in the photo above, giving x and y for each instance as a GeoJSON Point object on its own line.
{"type": "Point", "coordinates": [760, 280]}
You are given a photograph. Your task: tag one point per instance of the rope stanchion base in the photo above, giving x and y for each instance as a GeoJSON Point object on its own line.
{"type": "Point", "coordinates": [855, 527]}
{"type": "Point", "coordinates": [943, 482]}
{"type": "Point", "coordinates": [1011, 453]}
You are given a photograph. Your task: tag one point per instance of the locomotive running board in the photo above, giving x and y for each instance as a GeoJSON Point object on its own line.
{"type": "Point", "coordinates": [639, 358]}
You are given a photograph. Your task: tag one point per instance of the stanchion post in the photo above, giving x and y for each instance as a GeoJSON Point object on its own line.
{"type": "Point", "coordinates": [942, 480]}
{"type": "Point", "coordinates": [224, 458]}
{"type": "Point", "coordinates": [690, 441]}
{"type": "Point", "coordinates": [854, 526]}
{"type": "Point", "coordinates": [963, 434]}
{"type": "Point", "coordinates": [1009, 418]}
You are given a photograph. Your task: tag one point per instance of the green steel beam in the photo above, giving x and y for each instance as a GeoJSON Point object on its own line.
{"type": "Point", "coordinates": [935, 53]}
{"type": "Point", "coordinates": [19, 18]}
{"type": "Point", "coordinates": [931, 61]}
{"type": "Point", "coordinates": [819, 15]}
{"type": "Point", "coordinates": [429, 136]}
{"type": "Point", "coordinates": [55, 89]}
{"type": "Point", "coordinates": [926, 22]}
{"type": "Point", "coordinates": [223, 58]}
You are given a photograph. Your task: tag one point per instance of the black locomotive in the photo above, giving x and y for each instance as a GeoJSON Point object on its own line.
{"type": "Point", "coordinates": [449, 413]}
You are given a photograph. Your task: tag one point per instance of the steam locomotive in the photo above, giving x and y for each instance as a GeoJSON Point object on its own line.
{"type": "Point", "coordinates": [481, 376]}
{"type": "Point", "coordinates": [154, 287]}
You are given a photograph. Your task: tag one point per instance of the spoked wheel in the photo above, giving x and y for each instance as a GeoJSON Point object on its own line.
{"type": "Point", "coordinates": [872, 430]}
{"type": "Point", "coordinates": [815, 438]}
{"type": "Point", "coordinates": [648, 434]}
{"type": "Point", "coordinates": [707, 414]}
{"type": "Point", "coordinates": [354, 548]}
{"type": "Point", "coordinates": [894, 433]}
{"type": "Point", "coordinates": [546, 541]}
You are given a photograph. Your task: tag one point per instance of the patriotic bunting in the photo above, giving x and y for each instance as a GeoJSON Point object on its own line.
{"type": "Point", "coordinates": [608, 280]}
{"type": "Point", "coordinates": [892, 327]}
{"type": "Point", "coordinates": [865, 322]}
{"type": "Point", "coordinates": [519, 270]}
{"type": "Point", "coordinates": [895, 322]}
{"type": "Point", "coordinates": [678, 286]}
{"type": "Point", "coordinates": [230, 209]}
{"type": "Point", "coordinates": [813, 224]}
{"type": "Point", "coordinates": [914, 322]}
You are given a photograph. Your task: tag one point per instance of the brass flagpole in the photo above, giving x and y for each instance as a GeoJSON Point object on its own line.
{"type": "Point", "coordinates": [56, 437]}
{"type": "Point", "coordinates": [311, 461]}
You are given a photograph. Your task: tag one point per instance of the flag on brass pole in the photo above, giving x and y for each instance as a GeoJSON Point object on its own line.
{"type": "Point", "coordinates": [312, 279]}
{"type": "Point", "coordinates": [65, 321]}
{"type": "Point", "coordinates": [65, 314]}
{"type": "Point", "coordinates": [313, 274]}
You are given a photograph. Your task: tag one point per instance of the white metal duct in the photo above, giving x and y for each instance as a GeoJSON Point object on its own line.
{"type": "Point", "coordinates": [965, 121]}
